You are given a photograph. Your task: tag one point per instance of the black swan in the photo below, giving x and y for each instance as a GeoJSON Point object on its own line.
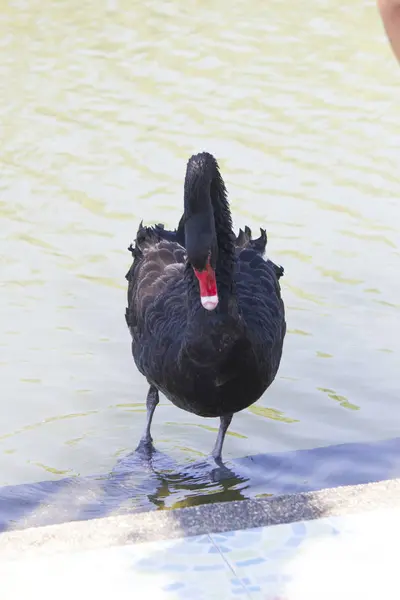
{"type": "Point", "coordinates": [204, 308]}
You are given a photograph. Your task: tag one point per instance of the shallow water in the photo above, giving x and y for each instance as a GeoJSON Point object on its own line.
{"type": "Point", "coordinates": [102, 104]}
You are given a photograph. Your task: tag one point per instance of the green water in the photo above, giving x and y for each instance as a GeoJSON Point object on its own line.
{"type": "Point", "coordinates": [101, 105]}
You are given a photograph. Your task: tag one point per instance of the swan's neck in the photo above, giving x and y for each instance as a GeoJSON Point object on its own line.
{"type": "Point", "coordinates": [208, 229]}
{"type": "Point", "coordinates": [225, 241]}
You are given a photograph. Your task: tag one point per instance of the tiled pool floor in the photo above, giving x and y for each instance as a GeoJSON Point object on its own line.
{"type": "Point", "coordinates": [345, 557]}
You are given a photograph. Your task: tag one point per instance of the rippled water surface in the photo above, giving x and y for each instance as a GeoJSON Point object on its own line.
{"type": "Point", "coordinates": [102, 104]}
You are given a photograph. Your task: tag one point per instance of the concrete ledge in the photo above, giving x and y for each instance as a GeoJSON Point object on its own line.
{"type": "Point", "coordinates": [203, 519]}
{"type": "Point", "coordinates": [135, 486]}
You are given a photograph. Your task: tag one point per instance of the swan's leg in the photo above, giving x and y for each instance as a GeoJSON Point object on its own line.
{"type": "Point", "coordinates": [146, 443]}
{"type": "Point", "coordinates": [223, 428]}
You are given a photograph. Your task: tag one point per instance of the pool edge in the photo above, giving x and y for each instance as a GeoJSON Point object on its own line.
{"type": "Point", "coordinates": [120, 530]}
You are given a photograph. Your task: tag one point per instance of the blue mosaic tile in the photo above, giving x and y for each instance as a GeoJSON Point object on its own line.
{"type": "Point", "coordinates": [253, 588]}
{"type": "Point", "coordinates": [189, 568]}
{"type": "Point", "coordinates": [294, 542]}
{"type": "Point", "coordinates": [173, 587]}
{"type": "Point", "coordinates": [232, 540]}
{"type": "Point", "coordinates": [239, 592]}
{"type": "Point", "coordinates": [269, 561]}
{"type": "Point", "coordinates": [299, 528]}
{"type": "Point", "coordinates": [250, 561]}
{"type": "Point", "coordinates": [174, 567]}
{"type": "Point", "coordinates": [259, 556]}
{"type": "Point", "coordinates": [218, 567]}
{"type": "Point", "coordinates": [259, 566]}
{"type": "Point", "coordinates": [215, 550]}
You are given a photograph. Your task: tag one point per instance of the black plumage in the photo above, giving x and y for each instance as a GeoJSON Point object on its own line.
{"type": "Point", "coordinates": [213, 363]}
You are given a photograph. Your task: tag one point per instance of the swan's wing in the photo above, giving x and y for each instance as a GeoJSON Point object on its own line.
{"type": "Point", "coordinates": [157, 264]}
{"type": "Point", "coordinates": [244, 241]}
{"type": "Point", "coordinates": [261, 304]}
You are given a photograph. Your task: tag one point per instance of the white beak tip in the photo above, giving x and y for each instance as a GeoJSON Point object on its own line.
{"type": "Point", "coordinates": [209, 302]}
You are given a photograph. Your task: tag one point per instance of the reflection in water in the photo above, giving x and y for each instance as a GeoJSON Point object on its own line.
{"type": "Point", "coordinates": [341, 399]}
{"type": "Point", "coordinates": [298, 332]}
{"type": "Point", "coordinates": [214, 430]}
{"type": "Point", "coordinates": [199, 483]}
{"type": "Point", "coordinates": [136, 484]}
{"type": "Point", "coordinates": [270, 413]}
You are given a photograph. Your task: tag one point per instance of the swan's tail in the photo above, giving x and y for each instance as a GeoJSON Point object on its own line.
{"type": "Point", "coordinates": [245, 240]}
{"type": "Point", "coordinates": [150, 236]}
{"type": "Point", "coordinates": [178, 235]}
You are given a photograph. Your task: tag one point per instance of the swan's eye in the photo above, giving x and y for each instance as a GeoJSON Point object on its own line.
{"type": "Point", "coordinates": [208, 287]}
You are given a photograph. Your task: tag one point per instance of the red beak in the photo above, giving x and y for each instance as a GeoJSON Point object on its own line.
{"type": "Point", "coordinates": [208, 287]}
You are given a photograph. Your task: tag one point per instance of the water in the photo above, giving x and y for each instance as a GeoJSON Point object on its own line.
{"type": "Point", "coordinates": [102, 104]}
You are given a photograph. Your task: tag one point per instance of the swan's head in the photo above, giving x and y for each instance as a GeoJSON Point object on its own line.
{"type": "Point", "coordinates": [202, 248]}
{"type": "Point", "coordinates": [200, 236]}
